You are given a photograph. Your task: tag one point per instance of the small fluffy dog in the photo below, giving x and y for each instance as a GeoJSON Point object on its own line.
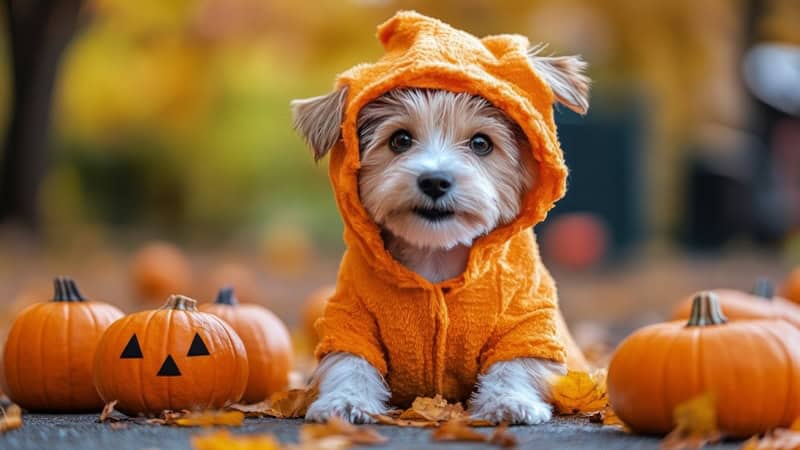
{"type": "Point", "coordinates": [438, 170]}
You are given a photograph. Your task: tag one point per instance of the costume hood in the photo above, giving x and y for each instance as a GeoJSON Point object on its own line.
{"type": "Point", "coordinates": [428, 338]}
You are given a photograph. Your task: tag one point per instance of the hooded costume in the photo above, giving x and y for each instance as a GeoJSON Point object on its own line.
{"type": "Point", "coordinates": [427, 338]}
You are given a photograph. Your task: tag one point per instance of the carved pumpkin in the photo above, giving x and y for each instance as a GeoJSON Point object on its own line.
{"type": "Point", "coordinates": [47, 363]}
{"type": "Point", "coordinates": [737, 305]}
{"type": "Point", "coordinates": [266, 339]}
{"type": "Point", "coordinates": [750, 366]}
{"type": "Point", "coordinates": [158, 270]}
{"type": "Point", "coordinates": [313, 309]}
{"type": "Point", "coordinates": [791, 286]}
{"type": "Point", "coordinates": [174, 357]}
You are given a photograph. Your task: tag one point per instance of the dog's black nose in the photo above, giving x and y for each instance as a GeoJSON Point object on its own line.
{"type": "Point", "coordinates": [435, 184]}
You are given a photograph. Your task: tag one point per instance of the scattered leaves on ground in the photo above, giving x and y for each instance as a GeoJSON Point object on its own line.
{"type": "Point", "coordinates": [695, 424]}
{"type": "Point", "coordinates": [580, 392]}
{"type": "Point", "coordinates": [291, 404]}
{"type": "Point", "coordinates": [11, 418]}
{"type": "Point", "coordinates": [457, 430]}
{"type": "Point", "coordinates": [338, 427]}
{"type": "Point", "coordinates": [502, 437]}
{"type": "Point", "coordinates": [224, 440]}
{"type": "Point", "coordinates": [428, 412]}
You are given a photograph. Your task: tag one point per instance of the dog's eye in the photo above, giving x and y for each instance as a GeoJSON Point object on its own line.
{"type": "Point", "coordinates": [481, 145]}
{"type": "Point", "coordinates": [400, 141]}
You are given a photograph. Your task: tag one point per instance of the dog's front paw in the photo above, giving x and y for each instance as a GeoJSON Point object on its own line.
{"type": "Point", "coordinates": [513, 410]}
{"type": "Point", "coordinates": [353, 410]}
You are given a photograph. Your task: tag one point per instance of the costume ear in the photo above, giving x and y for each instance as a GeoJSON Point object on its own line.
{"type": "Point", "coordinates": [565, 76]}
{"type": "Point", "coordinates": [319, 120]}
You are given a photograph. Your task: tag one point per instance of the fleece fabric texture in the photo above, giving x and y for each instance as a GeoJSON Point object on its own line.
{"type": "Point", "coordinates": [426, 338]}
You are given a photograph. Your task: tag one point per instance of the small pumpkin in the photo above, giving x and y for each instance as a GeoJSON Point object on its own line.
{"type": "Point", "coordinates": [266, 340]}
{"type": "Point", "coordinates": [737, 305]}
{"type": "Point", "coordinates": [791, 286]}
{"type": "Point", "coordinates": [174, 357]}
{"type": "Point", "coordinates": [158, 270]}
{"type": "Point", "coordinates": [48, 357]}
{"type": "Point", "coordinates": [750, 366]}
{"type": "Point", "coordinates": [313, 309]}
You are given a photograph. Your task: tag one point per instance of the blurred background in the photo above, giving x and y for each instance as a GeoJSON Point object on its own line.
{"type": "Point", "coordinates": [127, 125]}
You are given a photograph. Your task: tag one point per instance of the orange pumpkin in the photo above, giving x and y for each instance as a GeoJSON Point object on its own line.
{"type": "Point", "coordinates": [791, 286]}
{"type": "Point", "coordinates": [750, 366]}
{"type": "Point", "coordinates": [761, 304]}
{"type": "Point", "coordinates": [47, 363]}
{"type": "Point", "coordinates": [158, 270]}
{"type": "Point", "coordinates": [313, 309]}
{"type": "Point", "coordinates": [266, 339]}
{"type": "Point", "coordinates": [174, 357]}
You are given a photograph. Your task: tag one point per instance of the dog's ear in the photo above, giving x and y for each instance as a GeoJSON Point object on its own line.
{"type": "Point", "coordinates": [319, 120]}
{"type": "Point", "coordinates": [565, 76]}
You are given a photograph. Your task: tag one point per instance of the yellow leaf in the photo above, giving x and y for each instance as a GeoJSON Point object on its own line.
{"type": "Point", "coordinates": [580, 392]}
{"type": "Point", "coordinates": [223, 440]}
{"type": "Point", "coordinates": [11, 419]}
{"type": "Point", "coordinates": [209, 418]}
{"type": "Point", "coordinates": [695, 424]}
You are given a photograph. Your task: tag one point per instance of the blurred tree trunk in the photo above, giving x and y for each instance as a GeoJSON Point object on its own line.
{"type": "Point", "coordinates": [38, 32]}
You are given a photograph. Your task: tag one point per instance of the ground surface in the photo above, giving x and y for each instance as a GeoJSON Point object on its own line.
{"type": "Point", "coordinates": [64, 432]}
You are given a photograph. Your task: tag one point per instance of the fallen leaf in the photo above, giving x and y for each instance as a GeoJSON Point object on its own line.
{"type": "Point", "coordinates": [457, 430]}
{"type": "Point", "coordinates": [433, 409]}
{"type": "Point", "coordinates": [208, 419]}
{"type": "Point", "coordinates": [501, 437]}
{"type": "Point", "coordinates": [259, 409]}
{"type": "Point", "coordinates": [108, 410]}
{"type": "Point", "coordinates": [695, 424]}
{"type": "Point", "coordinates": [223, 440]}
{"type": "Point", "coordinates": [580, 392]}
{"type": "Point", "coordinates": [383, 419]}
{"type": "Point", "coordinates": [779, 439]}
{"type": "Point", "coordinates": [608, 418]}
{"type": "Point", "coordinates": [336, 426]}
{"type": "Point", "coordinates": [11, 419]}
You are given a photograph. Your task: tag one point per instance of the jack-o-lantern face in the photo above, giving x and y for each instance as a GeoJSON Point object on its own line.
{"type": "Point", "coordinates": [171, 358]}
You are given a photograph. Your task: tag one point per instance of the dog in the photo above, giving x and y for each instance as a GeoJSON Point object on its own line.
{"type": "Point", "coordinates": [438, 170]}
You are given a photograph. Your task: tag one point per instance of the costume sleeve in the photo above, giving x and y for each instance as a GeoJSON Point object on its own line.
{"type": "Point", "coordinates": [527, 326]}
{"type": "Point", "coordinates": [347, 326]}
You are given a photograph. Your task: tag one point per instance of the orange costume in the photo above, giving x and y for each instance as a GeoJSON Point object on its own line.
{"type": "Point", "coordinates": [427, 338]}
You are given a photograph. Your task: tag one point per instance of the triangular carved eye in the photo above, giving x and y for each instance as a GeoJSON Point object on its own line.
{"type": "Point", "coordinates": [169, 368]}
{"type": "Point", "coordinates": [198, 347]}
{"type": "Point", "coordinates": [132, 350]}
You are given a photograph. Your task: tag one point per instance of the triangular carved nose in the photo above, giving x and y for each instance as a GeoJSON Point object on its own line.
{"type": "Point", "coordinates": [169, 368]}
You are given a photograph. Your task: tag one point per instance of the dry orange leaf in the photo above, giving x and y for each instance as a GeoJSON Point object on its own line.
{"type": "Point", "coordinates": [780, 439]}
{"type": "Point", "coordinates": [291, 404]}
{"type": "Point", "coordinates": [502, 438]}
{"type": "Point", "coordinates": [205, 419]}
{"type": "Point", "coordinates": [11, 419]}
{"type": "Point", "coordinates": [108, 410]}
{"type": "Point", "coordinates": [223, 440]}
{"type": "Point", "coordinates": [339, 427]}
{"type": "Point", "coordinates": [384, 419]}
{"type": "Point", "coordinates": [433, 409]}
{"type": "Point", "coordinates": [580, 392]}
{"type": "Point", "coordinates": [457, 430]}
{"type": "Point", "coordinates": [695, 424]}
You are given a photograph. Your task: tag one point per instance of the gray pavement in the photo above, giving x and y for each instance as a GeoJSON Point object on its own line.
{"type": "Point", "coordinates": [65, 432]}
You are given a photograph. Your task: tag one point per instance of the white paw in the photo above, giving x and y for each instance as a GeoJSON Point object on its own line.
{"type": "Point", "coordinates": [353, 410]}
{"type": "Point", "coordinates": [522, 410]}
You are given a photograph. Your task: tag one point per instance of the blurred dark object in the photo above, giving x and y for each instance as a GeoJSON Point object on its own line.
{"type": "Point", "coordinates": [603, 151]}
{"type": "Point", "coordinates": [38, 32]}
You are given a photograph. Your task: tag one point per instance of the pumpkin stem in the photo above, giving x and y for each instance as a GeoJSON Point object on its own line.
{"type": "Point", "coordinates": [180, 303]}
{"type": "Point", "coordinates": [764, 287]}
{"type": "Point", "coordinates": [706, 311]}
{"type": "Point", "coordinates": [66, 290]}
{"type": "Point", "coordinates": [225, 296]}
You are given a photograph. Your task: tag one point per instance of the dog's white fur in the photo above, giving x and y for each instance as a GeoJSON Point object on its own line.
{"type": "Point", "coordinates": [487, 192]}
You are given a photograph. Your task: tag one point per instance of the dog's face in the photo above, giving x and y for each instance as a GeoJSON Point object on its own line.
{"type": "Point", "coordinates": [439, 169]}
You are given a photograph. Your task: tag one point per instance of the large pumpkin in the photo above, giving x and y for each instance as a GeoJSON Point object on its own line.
{"type": "Point", "coordinates": [174, 357]}
{"type": "Point", "coordinates": [47, 363]}
{"type": "Point", "coordinates": [750, 366]}
{"type": "Point", "coordinates": [737, 305]}
{"type": "Point", "coordinates": [266, 339]}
